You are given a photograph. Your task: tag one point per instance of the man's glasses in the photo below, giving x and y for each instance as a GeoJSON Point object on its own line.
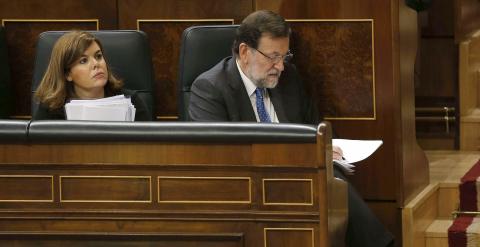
{"type": "Point", "coordinates": [277, 58]}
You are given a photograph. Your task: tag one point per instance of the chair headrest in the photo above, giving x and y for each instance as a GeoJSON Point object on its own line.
{"type": "Point", "coordinates": [202, 47]}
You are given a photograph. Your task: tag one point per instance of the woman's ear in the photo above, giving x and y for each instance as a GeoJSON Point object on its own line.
{"type": "Point", "coordinates": [68, 77]}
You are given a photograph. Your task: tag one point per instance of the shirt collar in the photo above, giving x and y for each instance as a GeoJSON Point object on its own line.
{"type": "Point", "coordinates": [246, 81]}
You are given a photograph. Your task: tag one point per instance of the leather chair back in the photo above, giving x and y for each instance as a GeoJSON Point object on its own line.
{"type": "Point", "coordinates": [127, 52]}
{"type": "Point", "coordinates": [6, 100]}
{"type": "Point", "coordinates": [202, 47]}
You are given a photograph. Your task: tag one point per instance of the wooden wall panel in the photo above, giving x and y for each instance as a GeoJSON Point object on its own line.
{"type": "Point", "coordinates": [26, 188]}
{"type": "Point", "coordinates": [335, 59]}
{"type": "Point", "coordinates": [104, 10]}
{"type": "Point", "coordinates": [300, 191]}
{"type": "Point", "coordinates": [438, 75]}
{"type": "Point", "coordinates": [289, 237]}
{"type": "Point", "coordinates": [438, 19]}
{"type": "Point", "coordinates": [21, 39]}
{"type": "Point", "coordinates": [204, 190]}
{"type": "Point", "coordinates": [325, 9]}
{"type": "Point", "coordinates": [129, 11]}
{"type": "Point", "coordinates": [97, 189]}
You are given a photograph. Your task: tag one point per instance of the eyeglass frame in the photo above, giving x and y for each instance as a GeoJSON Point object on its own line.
{"type": "Point", "coordinates": [276, 58]}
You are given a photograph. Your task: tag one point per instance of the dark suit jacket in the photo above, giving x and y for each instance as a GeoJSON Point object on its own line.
{"type": "Point", "coordinates": [141, 110]}
{"type": "Point", "coordinates": [220, 95]}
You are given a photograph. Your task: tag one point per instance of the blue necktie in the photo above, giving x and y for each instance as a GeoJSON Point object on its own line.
{"type": "Point", "coordinates": [262, 113]}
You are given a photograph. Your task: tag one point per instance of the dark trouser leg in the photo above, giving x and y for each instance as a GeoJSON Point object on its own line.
{"type": "Point", "coordinates": [364, 229]}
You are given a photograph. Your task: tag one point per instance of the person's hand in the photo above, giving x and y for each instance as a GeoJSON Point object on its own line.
{"type": "Point", "coordinates": [337, 153]}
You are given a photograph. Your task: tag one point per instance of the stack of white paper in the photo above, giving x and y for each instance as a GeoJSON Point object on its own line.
{"type": "Point", "coordinates": [354, 151]}
{"type": "Point", "coordinates": [116, 108]}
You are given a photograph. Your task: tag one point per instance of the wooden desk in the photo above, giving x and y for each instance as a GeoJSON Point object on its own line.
{"type": "Point", "coordinates": [170, 194]}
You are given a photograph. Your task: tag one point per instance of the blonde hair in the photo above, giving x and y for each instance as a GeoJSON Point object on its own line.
{"type": "Point", "coordinates": [54, 89]}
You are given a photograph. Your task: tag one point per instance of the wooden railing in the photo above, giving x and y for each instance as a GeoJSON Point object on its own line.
{"type": "Point", "coordinates": [445, 115]}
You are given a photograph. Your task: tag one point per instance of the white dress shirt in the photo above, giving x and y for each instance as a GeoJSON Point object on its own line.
{"type": "Point", "coordinates": [250, 87]}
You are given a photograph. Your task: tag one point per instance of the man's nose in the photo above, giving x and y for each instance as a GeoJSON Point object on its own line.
{"type": "Point", "coordinates": [279, 66]}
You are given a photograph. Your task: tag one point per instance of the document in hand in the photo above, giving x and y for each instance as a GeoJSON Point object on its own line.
{"type": "Point", "coordinates": [116, 108]}
{"type": "Point", "coordinates": [354, 151]}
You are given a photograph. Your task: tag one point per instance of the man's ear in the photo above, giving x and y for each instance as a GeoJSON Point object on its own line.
{"type": "Point", "coordinates": [242, 52]}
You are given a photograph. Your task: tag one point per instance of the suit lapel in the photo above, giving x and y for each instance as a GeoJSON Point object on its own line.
{"type": "Point", "coordinates": [241, 100]}
{"type": "Point", "coordinates": [276, 98]}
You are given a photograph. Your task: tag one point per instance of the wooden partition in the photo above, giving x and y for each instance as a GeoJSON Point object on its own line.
{"type": "Point", "coordinates": [469, 78]}
{"type": "Point", "coordinates": [467, 31]}
{"type": "Point", "coordinates": [171, 193]}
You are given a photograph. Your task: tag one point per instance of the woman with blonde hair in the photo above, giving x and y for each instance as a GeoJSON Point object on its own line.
{"type": "Point", "coordinates": [78, 70]}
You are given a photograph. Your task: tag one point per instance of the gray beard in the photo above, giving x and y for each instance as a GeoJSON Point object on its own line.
{"type": "Point", "coordinates": [264, 84]}
{"type": "Point", "coordinates": [260, 83]}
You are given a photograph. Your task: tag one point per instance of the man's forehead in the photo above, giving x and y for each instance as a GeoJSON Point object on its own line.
{"type": "Point", "coordinates": [269, 40]}
{"type": "Point", "coordinates": [270, 36]}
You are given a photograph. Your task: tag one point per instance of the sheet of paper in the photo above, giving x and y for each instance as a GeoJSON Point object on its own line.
{"type": "Point", "coordinates": [131, 114]}
{"type": "Point", "coordinates": [102, 113]}
{"type": "Point", "coordinates": [115, 98]}
{"type": "Point", "coordinates": [357, 150]}
{"type": "Point", "coordinates": [116, 108]}
{"type": "Point", "coordinates": [74, 112]}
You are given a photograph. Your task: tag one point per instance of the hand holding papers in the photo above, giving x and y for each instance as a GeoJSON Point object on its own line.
{"type": "Point", "coordinates": [354, 151]}
{"type": "Point", "coordinates": [116, 108]}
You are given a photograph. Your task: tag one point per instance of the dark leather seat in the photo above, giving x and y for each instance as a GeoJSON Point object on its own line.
{"type": "Point", "coordinates": [96, 131]}
{"type": "Point", "coordinates": [128, 54]}
{"type": "Point", "coordinates": [6, 100]}
{"type": "Point", "coordinates": [202, 47]}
